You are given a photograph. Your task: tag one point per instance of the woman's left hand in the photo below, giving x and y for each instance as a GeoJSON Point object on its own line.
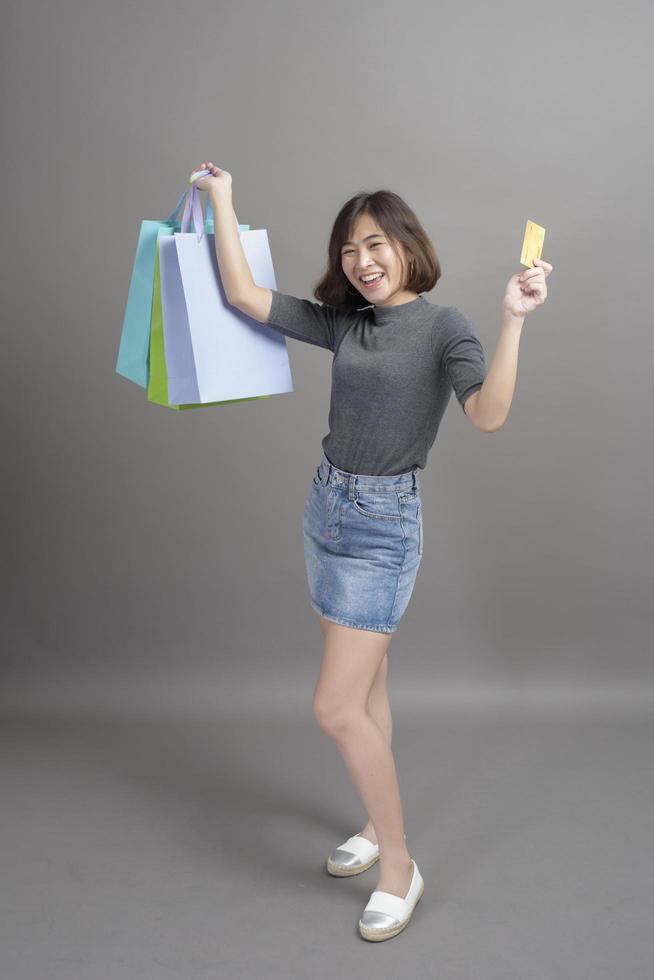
{"type": "Point", "coordinates": [527, 290]}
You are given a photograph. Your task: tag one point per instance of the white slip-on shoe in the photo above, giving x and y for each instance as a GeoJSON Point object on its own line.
{"type": "Point", "coordinates": [386, 914]}
{"type": "Point", "coordinates": [353, 856]}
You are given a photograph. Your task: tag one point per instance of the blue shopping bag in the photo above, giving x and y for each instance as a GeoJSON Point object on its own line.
{"type": "Point", "coordinates": [213, 351]}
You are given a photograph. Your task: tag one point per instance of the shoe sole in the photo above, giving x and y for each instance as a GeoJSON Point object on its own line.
{"type": "Point", "coordinates": [377, 935]}
{"type": "Point", "coordinates": [341, 871]}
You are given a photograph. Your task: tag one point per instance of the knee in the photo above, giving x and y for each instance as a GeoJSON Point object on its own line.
{"type": "Point", "coordinates": [332, 716]}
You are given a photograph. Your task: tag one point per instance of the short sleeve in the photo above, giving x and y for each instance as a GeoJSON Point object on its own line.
{"type": "Point", "coordinates": [462, 355]}
{"type": "Point", "coordinates": [302, 319]}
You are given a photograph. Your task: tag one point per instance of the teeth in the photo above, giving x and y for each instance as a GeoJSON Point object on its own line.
{"type": "Point", "coordinates": [376, 275]}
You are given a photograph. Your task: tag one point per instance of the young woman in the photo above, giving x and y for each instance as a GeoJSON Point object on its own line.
{"type": "Point", "coordinates": [397, 358]}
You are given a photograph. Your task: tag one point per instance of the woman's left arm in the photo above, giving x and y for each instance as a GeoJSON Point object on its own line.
{"type": "Point", "coordinates": [489, 406]}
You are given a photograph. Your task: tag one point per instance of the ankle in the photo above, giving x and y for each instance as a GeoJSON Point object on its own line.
{"type": "Point", "coordinates": [395, 861]}
{"type": "Point", "coordinates": [369, 832]}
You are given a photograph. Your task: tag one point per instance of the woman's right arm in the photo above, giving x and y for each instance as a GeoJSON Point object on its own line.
{"type": "Point", "coordinates": [240, 288]}
{"type": "Point", "coordinates": [302, 319]}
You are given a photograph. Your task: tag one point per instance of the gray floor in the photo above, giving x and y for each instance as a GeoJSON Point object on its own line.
{"type": "Point", "coordinates": [146, 843]}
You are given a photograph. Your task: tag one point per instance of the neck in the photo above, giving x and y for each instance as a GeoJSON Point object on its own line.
{"type": "Point", "coordinates": [397, 299]}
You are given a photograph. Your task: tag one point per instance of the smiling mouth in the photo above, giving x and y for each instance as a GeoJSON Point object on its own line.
{"type": "Point", "coordinates": [372, 282]}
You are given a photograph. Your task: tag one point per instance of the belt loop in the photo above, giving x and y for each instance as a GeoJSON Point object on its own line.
{"type": "Point", "coordinates": [351, 487]}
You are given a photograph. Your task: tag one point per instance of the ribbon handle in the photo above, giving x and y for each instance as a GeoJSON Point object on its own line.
{"type": "Point", "coordinates": [173, 216]}
{"type": "Point", "coordinates": [193, 207]}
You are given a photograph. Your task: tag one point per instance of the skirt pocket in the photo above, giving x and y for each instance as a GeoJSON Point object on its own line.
{"type": "Point", "coordinates": [378, 505]}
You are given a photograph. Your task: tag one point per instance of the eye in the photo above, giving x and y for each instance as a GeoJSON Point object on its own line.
{"type": "Point", "coordinates": [374, 245]}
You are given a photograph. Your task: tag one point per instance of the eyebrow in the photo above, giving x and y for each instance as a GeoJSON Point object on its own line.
{"type": "Point", "coordinates": [377, 234]}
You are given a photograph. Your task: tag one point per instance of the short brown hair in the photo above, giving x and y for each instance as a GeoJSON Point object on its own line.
{"type": "Point", "coordinates": [399, 224]}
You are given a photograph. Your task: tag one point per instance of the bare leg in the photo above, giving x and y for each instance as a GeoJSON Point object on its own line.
{"type": "Point", "coordinates": [379, 709]}
{"type": "Point", "coordinates": [350, 664]}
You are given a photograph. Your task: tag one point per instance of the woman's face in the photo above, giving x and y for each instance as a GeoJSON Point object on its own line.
{"type": "Point", "coordinates": [370, 252]}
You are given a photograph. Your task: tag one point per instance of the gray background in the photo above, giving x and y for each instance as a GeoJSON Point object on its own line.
{"type": "Point", "coordinates": [169, 801]}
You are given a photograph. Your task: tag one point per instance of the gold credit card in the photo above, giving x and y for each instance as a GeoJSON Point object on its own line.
{"type": "Point", "coordinates": [532, 244]}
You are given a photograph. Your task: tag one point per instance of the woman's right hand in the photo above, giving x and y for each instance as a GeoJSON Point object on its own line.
{"type": "Point", "coordinates": [217, 180]}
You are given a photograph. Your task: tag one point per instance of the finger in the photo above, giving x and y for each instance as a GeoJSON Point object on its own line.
{"type": "Point", "coordinates": [534, 286]}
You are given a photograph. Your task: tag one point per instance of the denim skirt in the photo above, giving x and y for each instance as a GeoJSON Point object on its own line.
{"type": "Point", "coordinates": [362, 545]}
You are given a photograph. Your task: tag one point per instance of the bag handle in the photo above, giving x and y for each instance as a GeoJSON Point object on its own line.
{"type": "Point", "coordinates": [192, 207]}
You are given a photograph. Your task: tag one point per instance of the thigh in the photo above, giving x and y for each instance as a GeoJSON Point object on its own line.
{"type": "Point", "coordinates": [351, 661]}
{"type": "Point", "coordinates": [380, 677]}
{"type": "Point", "coordinates": [324, 623]}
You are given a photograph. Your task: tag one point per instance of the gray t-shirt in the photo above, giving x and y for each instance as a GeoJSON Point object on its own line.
{"type": "Point", "coordinates": [393, 371]}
